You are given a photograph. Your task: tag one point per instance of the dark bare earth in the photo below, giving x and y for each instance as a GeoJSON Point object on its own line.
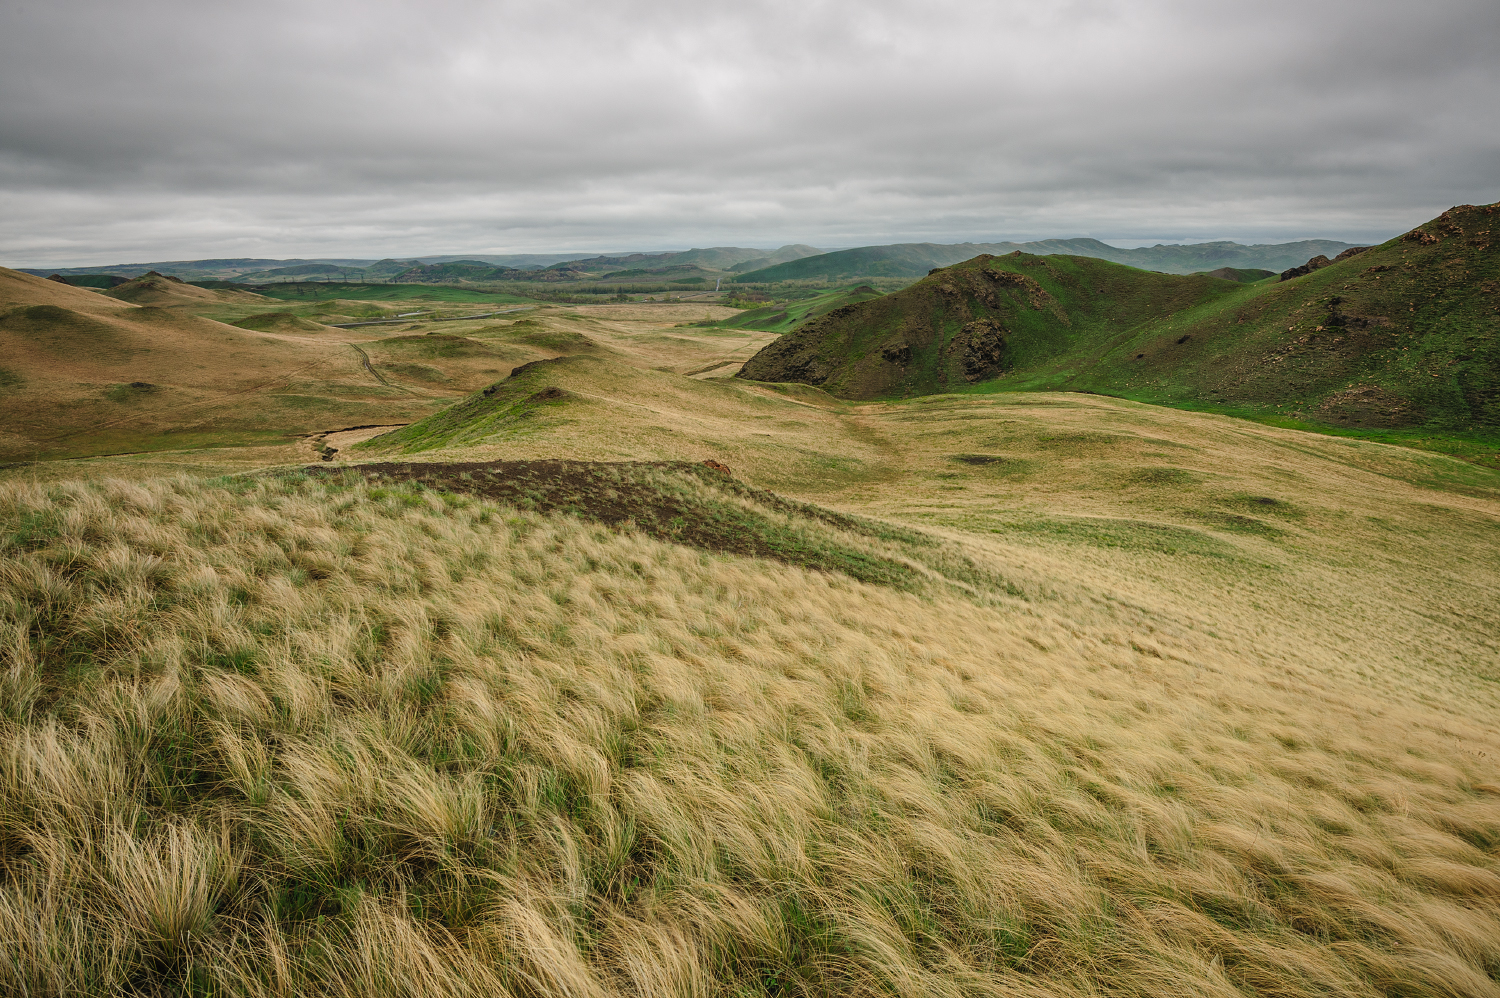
{"type": "Point", "coordinates": [681, 502]}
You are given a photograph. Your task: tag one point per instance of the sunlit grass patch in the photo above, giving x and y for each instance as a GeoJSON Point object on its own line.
{"type": "Point", "coordinates": [490, 734]}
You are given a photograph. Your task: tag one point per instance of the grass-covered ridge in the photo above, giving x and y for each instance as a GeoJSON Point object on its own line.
{"type": "Point", "coordinates": [705, 507]}
{"type": "Point", "coordinates": [281, 736]}
{"type": "Point", "coordinates": [975, 320]}
{"type": "Point", "coordinates": [1399, 337]}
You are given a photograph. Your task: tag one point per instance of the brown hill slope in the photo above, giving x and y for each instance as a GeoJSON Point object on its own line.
{"type": "Point", "coordinates": [156, 289]}
{"type": "Point", "coordinates": [17, 288]}
{"type": "Point", "coordinates": [81, 373]}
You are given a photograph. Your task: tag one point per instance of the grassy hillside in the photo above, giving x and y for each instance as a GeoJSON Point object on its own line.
{"type": "Point", "coordinates": [155, 289]}
{"type": "Point", "coordinates": [86, 373]}
{"type": "Point", "coordinates": [1082, 697]}
{"type": "Point", "coordinates": [916, 259]}
{"type": "Point", "coordinates": [783, 316]}
{"type": "Point", "coordinates": [975, 320]}
{"type": "Point", "coordinates": [985, 693]}
{"type": "Point", "coordinates": [793, 251]}
{"type": "Point", "coordinates": [227, 378]}
{"type": "Point", "coordinates": [1401, 336]}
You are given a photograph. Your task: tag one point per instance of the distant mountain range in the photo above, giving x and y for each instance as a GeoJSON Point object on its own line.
{"type": "Point", "coordinates": [695, 265]}
{"type": "Point", "coordinates": [448, 268]}
{"type": "Point", "coordinates": [795, 262]}
{"type": "Point", "coordinates": [916, 259]}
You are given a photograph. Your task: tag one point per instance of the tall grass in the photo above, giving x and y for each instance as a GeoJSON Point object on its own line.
{"type": "Point", "coordinates": [287, 737]}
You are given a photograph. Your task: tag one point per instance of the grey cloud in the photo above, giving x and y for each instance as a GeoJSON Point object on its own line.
{"type": "Point", "coordinates": [170, 129]}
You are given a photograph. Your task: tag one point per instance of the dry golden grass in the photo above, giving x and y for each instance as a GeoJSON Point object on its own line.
{"type": "Point", "coordinates": [81, 373]}
{"type": "Point", "coordinates": [168, 373]}
{"type": "Point", "coordinates": [158, 290]}
{"type": "Point", "coordinates": [280, 737]}
{"type": "Point", "coordinates": [1228, 728]}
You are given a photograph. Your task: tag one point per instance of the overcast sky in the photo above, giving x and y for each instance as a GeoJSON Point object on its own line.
{"type": "Point", "coordinates": [134, 130]}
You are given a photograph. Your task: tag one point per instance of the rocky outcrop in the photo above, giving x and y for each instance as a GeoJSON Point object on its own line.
{"type": "Point", "coordinates": [1316, 263]}
{"type": "Point", "coordinates": [795, 357]}
{"type": "Point", "coordinates": [981, 349]}
{"type": "Point", "coordinates": [897, 353]}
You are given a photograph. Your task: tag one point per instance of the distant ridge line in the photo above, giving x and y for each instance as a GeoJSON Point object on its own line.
{"type": "Point", "coordinates": [916, 259]}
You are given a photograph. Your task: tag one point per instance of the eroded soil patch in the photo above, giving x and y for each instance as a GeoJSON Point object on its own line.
{"type": "Point", "coordinates": [692, 504]}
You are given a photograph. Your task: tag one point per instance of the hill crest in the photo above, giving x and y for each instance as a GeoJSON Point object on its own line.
{"type": "Point", "coordinates": [1400, 335]}
{"type": "Point", "coordinates": [915, 259]}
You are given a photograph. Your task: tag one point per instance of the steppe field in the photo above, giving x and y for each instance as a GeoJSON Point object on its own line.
{"type": "Point", "coordinates": [507, 692]}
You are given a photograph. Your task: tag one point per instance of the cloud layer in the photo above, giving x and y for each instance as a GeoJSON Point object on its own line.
{"type": "Point", "coordinates": [156, 130]}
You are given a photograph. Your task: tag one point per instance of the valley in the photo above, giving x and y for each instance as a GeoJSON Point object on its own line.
{"type": "Point", "coordinates": [960, 638]}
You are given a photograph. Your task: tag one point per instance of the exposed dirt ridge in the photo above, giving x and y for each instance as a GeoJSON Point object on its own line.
{"type": "Point", "coordinates": [698, 504]}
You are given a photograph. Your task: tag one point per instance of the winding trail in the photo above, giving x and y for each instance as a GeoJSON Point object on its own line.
{"type": "Point", "coordinates": [365, 359]}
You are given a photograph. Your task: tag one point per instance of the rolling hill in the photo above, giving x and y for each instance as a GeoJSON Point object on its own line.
{"type": "Point", "coordinates": [1403, 335]}
{"type": "Point", "coordinates": [83, 372]}
{"type": "Point", "coordinates": [156, 289]}
{"type": "Point", "coordinates": [916, 259]}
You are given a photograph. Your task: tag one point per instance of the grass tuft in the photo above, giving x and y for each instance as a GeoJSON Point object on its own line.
{"type": "Point", "coordinates": [309, 735]}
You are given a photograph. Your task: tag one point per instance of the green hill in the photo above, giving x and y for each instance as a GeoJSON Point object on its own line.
{"type": "Point", "coordinates": [1403, 335]}
{"type": "Point", "coordinates": [794, 251]}
{"type": "Point", "coordinates": [916, 259]}
{"type": "Point", "coordinates": [676, 272]}
{"type": "Point", "coordinates": [974, 321]}
{"type": "Point", "coordinates": [781, 317]}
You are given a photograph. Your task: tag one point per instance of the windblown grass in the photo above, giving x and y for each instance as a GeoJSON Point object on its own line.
{"type": "Point", "coordinates": [284, 736]}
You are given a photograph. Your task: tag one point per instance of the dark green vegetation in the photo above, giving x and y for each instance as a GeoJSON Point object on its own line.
{"type": "Point", "coordinates": [916, 259]}
{"type": "Point", "coordinates": [104, 281]}
{"type": "Point", "coordinates": [1399, 338]}
{"type": "Point", "coordinates": [694, 504]}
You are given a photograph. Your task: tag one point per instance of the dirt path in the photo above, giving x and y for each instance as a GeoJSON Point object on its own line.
{"type": "Point", "coordinates": [365, 359]}
{"type": "Point", "coordinates": [330, 442]}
